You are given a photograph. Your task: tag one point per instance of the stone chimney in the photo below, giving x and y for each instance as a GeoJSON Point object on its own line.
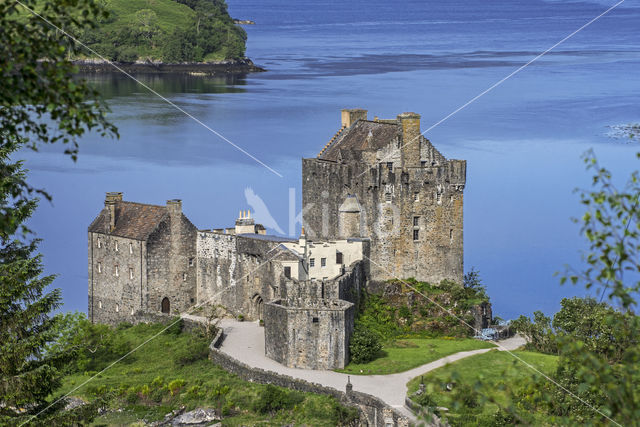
{"type": "Point", "coordinates": [174, 206]}
{"type": "Point", "coordinates": [110, 201]}
{"type": "Point", "coordinates": [410, 123]}
{"type": "Point", "coordinates": [349, 117]}
{"type": "Point", "coordinates": [245, 224]}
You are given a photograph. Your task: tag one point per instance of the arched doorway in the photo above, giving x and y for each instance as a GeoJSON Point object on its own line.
{"type": "Point", "coordinates": [166, 306]}
{"type": "Point", "coordinates": [258, 304]}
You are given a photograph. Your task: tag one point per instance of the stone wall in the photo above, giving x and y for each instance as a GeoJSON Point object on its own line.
{"type": "Point", "coordinates": [390, 200]}
{"type": "Point", "coordinates": [373, 411]}
{"type": "Point", "coordinates": [114, 297]}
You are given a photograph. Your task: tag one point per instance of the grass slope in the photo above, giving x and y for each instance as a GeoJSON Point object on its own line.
{"type": "Point", "coordinates": [494, 369]}
{"type": "Point", "coordinates": [402, 355]}
{"type": "Point", "coordinates": [170, 14]}
{"type": "Point", "coordinates": [173, 371]}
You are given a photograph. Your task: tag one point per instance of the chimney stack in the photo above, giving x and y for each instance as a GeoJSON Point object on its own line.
{"type": "Point", "coordinates": [110, 201]}
{"type": "Point", "coordinates": [349, 117]}
{"type": "Point", "coordinates": [410, 124]}
{"type": "Point", "coordinates": [174, 206]}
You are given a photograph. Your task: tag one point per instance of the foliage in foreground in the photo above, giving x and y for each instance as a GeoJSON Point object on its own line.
{"type": "Point", "coordinates": [173, 370]}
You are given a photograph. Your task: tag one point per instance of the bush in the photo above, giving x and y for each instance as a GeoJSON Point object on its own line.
{"type": "Point", "coordinates": [273, 399]}
{"type": "Point", "coordinates": [198, 349]}
{"type": "Point", "coordinates": [175, 386]}
{"type": "Point", "coordinates": [365, 346]}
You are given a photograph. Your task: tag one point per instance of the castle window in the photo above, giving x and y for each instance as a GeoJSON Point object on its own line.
{"type": "Point", "coordinates": [416, 234]}
{"type": "Point", "coordinates": [390, 166]}
{"type": "Point", "coordinates": [287, 272]}
{"type": "Point", "coordinates": [439, 198]}
{"type": "Point", "coordinates": [423, 163]}
{"type": "Point", "coordinates": [190, 262]}
{"type": "Point", "coordinates": [416, 221]}
{"type": "Point", "coordinates": [323, 262]}
{"type": "Point", "coordinates": [387, 197]}
{"type": "Point", "coordinates": [416, 196]}
{"type": "Point", "coordinates": [338, 257]}
{"type": "Point", "coordinates": [99, 243]}
{"type": "Point", "coordinates": [117, 308]}
{"type": "Point", "coordinates": [315, 320]}
{"type": "Point", "coordinates": [131, 273]}
{"type": "Point", "coordinates": [99, 267]}
{"type": "Point", "coordinates": [117, 273]}
{"type": "Point", "coordinates": [184, 277]}
{"type": "Point", "coordinates": [116, 245]}
{"type": "Point", "coordinates": [99, 304]}
{"type": "Point", "coordinates": [312, 262]}
{"type": "Point", "coordinates": [451, 234]}
{"type": "Point", "coordinates": [130, 248]}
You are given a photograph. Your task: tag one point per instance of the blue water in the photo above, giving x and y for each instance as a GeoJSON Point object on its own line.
{"type": "Point", "coordinates": [523, 140]}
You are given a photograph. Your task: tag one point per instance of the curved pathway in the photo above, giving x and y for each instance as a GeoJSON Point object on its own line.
{"type": "Point", "coordinates": [244, 341]}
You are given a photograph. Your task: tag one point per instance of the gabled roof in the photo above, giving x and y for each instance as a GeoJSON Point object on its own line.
{"type": "Point", "coordinates": [282, 253]}
{"type": "Point", "coordinates": [362, 135]}
{"type": "Point", "coordinates": [133, 220]}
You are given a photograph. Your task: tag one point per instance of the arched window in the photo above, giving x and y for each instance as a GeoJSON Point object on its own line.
{"type": "Point", "coordinates": [166, 307]}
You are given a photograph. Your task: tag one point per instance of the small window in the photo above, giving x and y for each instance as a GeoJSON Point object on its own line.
{"type": "Point", "coordinates": [323, 262]}
{"type": "Point", "coordinates": [287, 272]}
{"type": "Point", "coordinates": [117, 308]}
{"type": "Point", "coordinates": [315, 320]}
{"type": "Point", "coordinates": [423, 163]}
{"type": "Point", "coordinates": [99, 304]}
{"type": "Point", "coordinates": [193, 300]}
{"type": "Point", "coordinates": [416, 221]}
{"type": "Point", "coordinates": [439, 198]}
{"type": "Point", "coordinates": [117, 272]}
{"type": "Point", "coordinates": [190, 262]}
{"type": "Point", "coordinates": [339, 258]}
{"type": "Point", "coordinates": [387, 197]}
{"type": "Point", "coordinates": [416, 234]}
{"type": "Point", "coordinates": [131, 273]}
{"type": "Point", "coordinates": [99, 243]}
{"type": "Point", "coordinates": [184, 277]}
{"type": "Point", "coordinates": [416, 196]}
{"type": "Point", "coordinates": [451, 234]}
{"type": "Point", "coordinates": [312, 262]}
{"type": "Point", "coordinates": [116, 245]}
{"type": "Point", "coordinates": [390, 166]}
{"type": "Point", "coordinates": [99, 267]}
{"type": "Point", "coordinates": [130, 248]}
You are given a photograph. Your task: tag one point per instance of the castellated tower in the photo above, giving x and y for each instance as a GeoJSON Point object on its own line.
{"type": "Point", "coordinates": [409, 196]}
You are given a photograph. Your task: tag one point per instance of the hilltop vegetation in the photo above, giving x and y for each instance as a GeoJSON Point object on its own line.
{"type": "Point", "coordinates": [170, 31]}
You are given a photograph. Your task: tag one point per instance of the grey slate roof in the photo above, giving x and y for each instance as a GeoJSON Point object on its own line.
{"type": "Point", "coordinates": [362, 135]}
{"type": "Point", "coordinates": [133, 220]}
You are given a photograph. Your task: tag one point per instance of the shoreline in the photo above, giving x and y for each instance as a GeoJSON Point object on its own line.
{"type": "Point", "coordinates": [240, 66]}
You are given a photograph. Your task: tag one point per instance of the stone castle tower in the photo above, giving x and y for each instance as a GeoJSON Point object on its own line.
{"type": "Point", "coordinates": [383, 180]}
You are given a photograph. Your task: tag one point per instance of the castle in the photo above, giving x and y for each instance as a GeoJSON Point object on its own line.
{"type": "Point", "coordinates": [379, 202]}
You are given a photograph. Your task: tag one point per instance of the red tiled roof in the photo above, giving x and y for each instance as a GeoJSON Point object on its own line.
{"type": "Point", "coordinates": [133, 220]}
{"type": "Point", "coordinates": [363, 135]}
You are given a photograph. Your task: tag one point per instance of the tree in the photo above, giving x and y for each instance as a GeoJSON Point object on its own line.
{"type": "Point", "coordinates": [41, 102]}
{"type": "Point", "coordinates": [365, 345]}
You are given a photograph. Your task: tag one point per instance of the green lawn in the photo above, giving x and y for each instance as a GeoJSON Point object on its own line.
{"type": "Point", "coordinates": [142, 386]}
{"type": "Point", "coordinates": [492, 369]}
{"type": "Point", "coordinates": [404, 354]}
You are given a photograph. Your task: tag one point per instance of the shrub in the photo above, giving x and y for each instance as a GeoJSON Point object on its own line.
{"type": "Point", "coordinates": [175, 326]}
{"type": "Point", "coordinates": [365, 345]}
{"type": "Point", "coordinates": [272, 399]}
{"type": "Point", "coordinates": [197, 349]}
{"type": "Point", "coordinates": [175, 386]}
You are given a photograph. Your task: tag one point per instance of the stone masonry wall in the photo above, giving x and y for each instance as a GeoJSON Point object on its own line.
{"type": "Point", "coordinates": [114, 298]}
{"type": "Point", "coordinates": [374, 412]}
{"type": "Point", "coordinates": [389, 201]}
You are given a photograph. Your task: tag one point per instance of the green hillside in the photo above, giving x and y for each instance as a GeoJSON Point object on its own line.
{"type": "Point", "coordinates": [170, 31]}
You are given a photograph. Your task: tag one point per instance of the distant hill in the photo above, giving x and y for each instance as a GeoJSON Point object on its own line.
{"type": "Point", "coordinates": [170, 31]}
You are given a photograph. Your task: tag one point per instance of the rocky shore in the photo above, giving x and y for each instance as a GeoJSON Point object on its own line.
{"type": "Point", "coordinates": [238, 66]}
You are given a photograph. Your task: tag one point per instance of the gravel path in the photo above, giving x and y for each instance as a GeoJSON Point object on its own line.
{"type": "Point", "coordinates": [245, 342]}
